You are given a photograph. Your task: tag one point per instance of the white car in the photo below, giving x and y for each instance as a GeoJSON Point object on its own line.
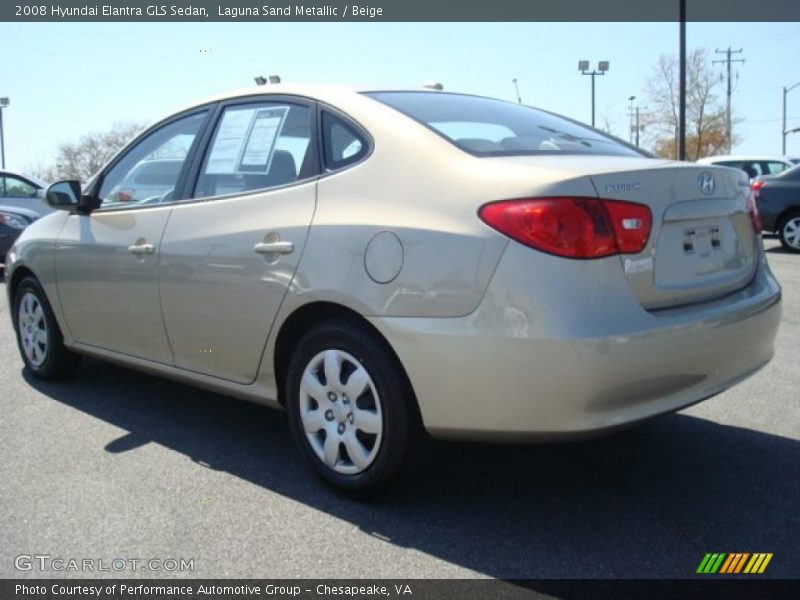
{"type": "Point", "coordinates": [23, 191]}
{"type": "Point", "coordinates": [754, 165]}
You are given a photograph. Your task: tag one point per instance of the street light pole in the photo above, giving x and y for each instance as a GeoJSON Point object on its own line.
{"type": "Point", "coordinates": [630, 119]}
{"type": "Point", "coordinates": [786, 90]}
{"type": "Point", "coordinates": [680, 151]}
{"type": "Point", "coordinates": [4, 103]}
{"type": "Point", "coordinates": [516, 87]}
{"type": "Point", "coordinates": [602, 68]}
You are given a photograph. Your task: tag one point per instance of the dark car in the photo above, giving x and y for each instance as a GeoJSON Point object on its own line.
{"type": "Point", "coordinates": [778, 200]}
{"type": "Point", "coordinates": [12, 221]}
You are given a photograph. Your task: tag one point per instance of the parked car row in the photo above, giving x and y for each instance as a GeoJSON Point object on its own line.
{"type": "Point", "coordinates": [778, 199]}
{"type": "Point", "coordinates": [13, 221]}
{"type": "Point", "coordinates": [21, 203]}
{"type": "Point", "coordinates": [755, 166]}
{"type": "Point", "coordinates": [775, 181]}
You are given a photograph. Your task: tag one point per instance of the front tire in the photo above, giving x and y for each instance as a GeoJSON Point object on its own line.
{"type": "Point", "coordinates": [39, 337]}
{"type": "Point", "coordinates": [351, 410]}
{"type": "Point", "coordinates": [789, 232]}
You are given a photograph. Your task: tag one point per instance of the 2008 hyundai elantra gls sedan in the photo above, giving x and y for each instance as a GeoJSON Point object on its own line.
{"type": "Point", "coordinates": [383, 264]}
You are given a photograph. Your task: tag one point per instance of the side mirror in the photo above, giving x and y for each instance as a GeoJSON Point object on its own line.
{"type": "Point", "coordinates": [67, 195]}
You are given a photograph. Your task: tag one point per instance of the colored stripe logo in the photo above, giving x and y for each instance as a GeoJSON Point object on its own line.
{"type": "Point", "coordinates": [734, 563]}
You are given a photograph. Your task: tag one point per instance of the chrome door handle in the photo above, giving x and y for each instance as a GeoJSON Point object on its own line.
{"type": "Point", "coordinates": [273, 248]}
{"type": "Point", "coordinates": [142, 249]}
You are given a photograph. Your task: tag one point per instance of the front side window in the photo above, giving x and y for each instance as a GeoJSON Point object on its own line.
{"type": "Point", "coordinates": [13, 187]}
{"type": "Point", "coordinates": [255, 146]}
{"type": "Point", "coordinates": [489, 127]}
{"type": "Point", "coordinates": [149, 172]}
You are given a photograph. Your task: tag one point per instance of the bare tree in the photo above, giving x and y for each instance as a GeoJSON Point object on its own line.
{"type": "Point", "coordinates": [82, 159]}
{"type": "Point", "coordinates": [705, 115]}
{"type": "Point", "coordinates": [41, 170]}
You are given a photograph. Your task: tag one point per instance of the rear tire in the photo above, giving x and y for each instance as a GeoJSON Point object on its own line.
{"type": "Point", "coordinates": [39, 337]}
{"type": "Point", "coordinates": [789, 232]}
{"type": "Point", "coordinates": [351, 411]}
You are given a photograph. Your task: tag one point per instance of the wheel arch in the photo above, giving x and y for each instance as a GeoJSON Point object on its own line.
{"type": "Point", "coordinates": [308, 316]}
{"type": "Point", "coordinates": [17, 276]}
{"type": "Point", "coordinates": [779, 220]}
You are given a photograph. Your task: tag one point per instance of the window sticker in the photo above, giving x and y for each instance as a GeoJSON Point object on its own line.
{"type": "Point", "coordinates": [245, 141]}
{"type": "Point", "coordinates": [264, 130]}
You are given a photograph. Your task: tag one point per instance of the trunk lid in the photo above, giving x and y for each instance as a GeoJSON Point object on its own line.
{"type": "Point", "coordinates": [702, 244]}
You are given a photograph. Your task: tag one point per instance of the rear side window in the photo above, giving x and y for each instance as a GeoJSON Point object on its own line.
{"type": "Point", "coordinates": [489, 127]}
{"type": "Point", "coordinates": [342, 144]}
{"type": "Point", "coordinates": [792, 174]}
{"type": "Point", "coordinates": [773, 167]}
{"type": "Point", "coordinates": [752, 168]}
{"type": "Point", "coordinates": [256, 146]}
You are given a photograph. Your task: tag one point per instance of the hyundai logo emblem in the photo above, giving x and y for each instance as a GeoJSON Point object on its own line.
{"type": "Point", "coordinates": [706, 183]}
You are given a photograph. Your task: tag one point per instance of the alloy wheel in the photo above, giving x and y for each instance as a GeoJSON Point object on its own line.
{"type": "Point", "coordinates": [791, 232]}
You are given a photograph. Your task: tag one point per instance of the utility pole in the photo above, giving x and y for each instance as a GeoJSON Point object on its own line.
{"type": "Point", "coordinates": [630, 119]}
{"type": "Point", "coordinates": [727, 61]}
{"type": "Point", "coordinates": [638, 127]}
{"type": "Point", "coordinates": [5, 103]}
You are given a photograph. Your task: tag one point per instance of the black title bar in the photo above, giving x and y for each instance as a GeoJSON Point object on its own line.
{"type": "Point", "coordinates": [396, 10]}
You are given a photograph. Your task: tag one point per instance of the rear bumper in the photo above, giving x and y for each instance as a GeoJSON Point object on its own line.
{"type": "Point", "coordinates": [565, 353]}
{"type": "Point", "coordinates": [770, 208]}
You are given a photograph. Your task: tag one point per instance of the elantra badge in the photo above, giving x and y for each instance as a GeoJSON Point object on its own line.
{"type": "Point", "coordinates": [706, 183]}
{"type": "Point", "coordinates": [623, 186]}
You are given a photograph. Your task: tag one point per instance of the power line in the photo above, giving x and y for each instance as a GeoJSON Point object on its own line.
{"type": "Point", "coordinates": [728, 60]}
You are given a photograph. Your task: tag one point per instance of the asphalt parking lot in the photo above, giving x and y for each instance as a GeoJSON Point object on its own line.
{"type": "Point", "coordinates": [119, 464]}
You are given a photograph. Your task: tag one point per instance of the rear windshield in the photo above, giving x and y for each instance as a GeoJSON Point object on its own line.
{"type": "Point", "coordinates": [489, 127]}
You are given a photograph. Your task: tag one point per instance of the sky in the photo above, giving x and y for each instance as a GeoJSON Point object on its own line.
{"type": "Point", "coordinates": [68, 79]}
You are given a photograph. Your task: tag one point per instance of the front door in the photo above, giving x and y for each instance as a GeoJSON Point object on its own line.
{"type": "Point", "coordinates": [107, 261]}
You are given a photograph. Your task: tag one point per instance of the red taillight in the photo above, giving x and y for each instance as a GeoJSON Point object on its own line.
{"type": "Point", "coordinates": [572, 227]}
{"type": "Point", "coordinates": [757, 185]}
{"type": "Point", "coordinates": [752, 210]}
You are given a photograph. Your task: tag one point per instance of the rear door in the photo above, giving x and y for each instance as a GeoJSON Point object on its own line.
{"type": "Point", "coordinates": [228, 256]}
{"type": "Point", "coordinates": [702, 243]}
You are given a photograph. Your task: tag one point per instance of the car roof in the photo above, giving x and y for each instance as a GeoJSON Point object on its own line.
{"type": "Point", "coordinates": [344, 97]}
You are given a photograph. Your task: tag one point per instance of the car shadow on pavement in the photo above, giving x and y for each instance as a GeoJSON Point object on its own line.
{"type": "Point", "coordinates": [778, 250]}
{"type": "Point", "coordinates": [648, 502]}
